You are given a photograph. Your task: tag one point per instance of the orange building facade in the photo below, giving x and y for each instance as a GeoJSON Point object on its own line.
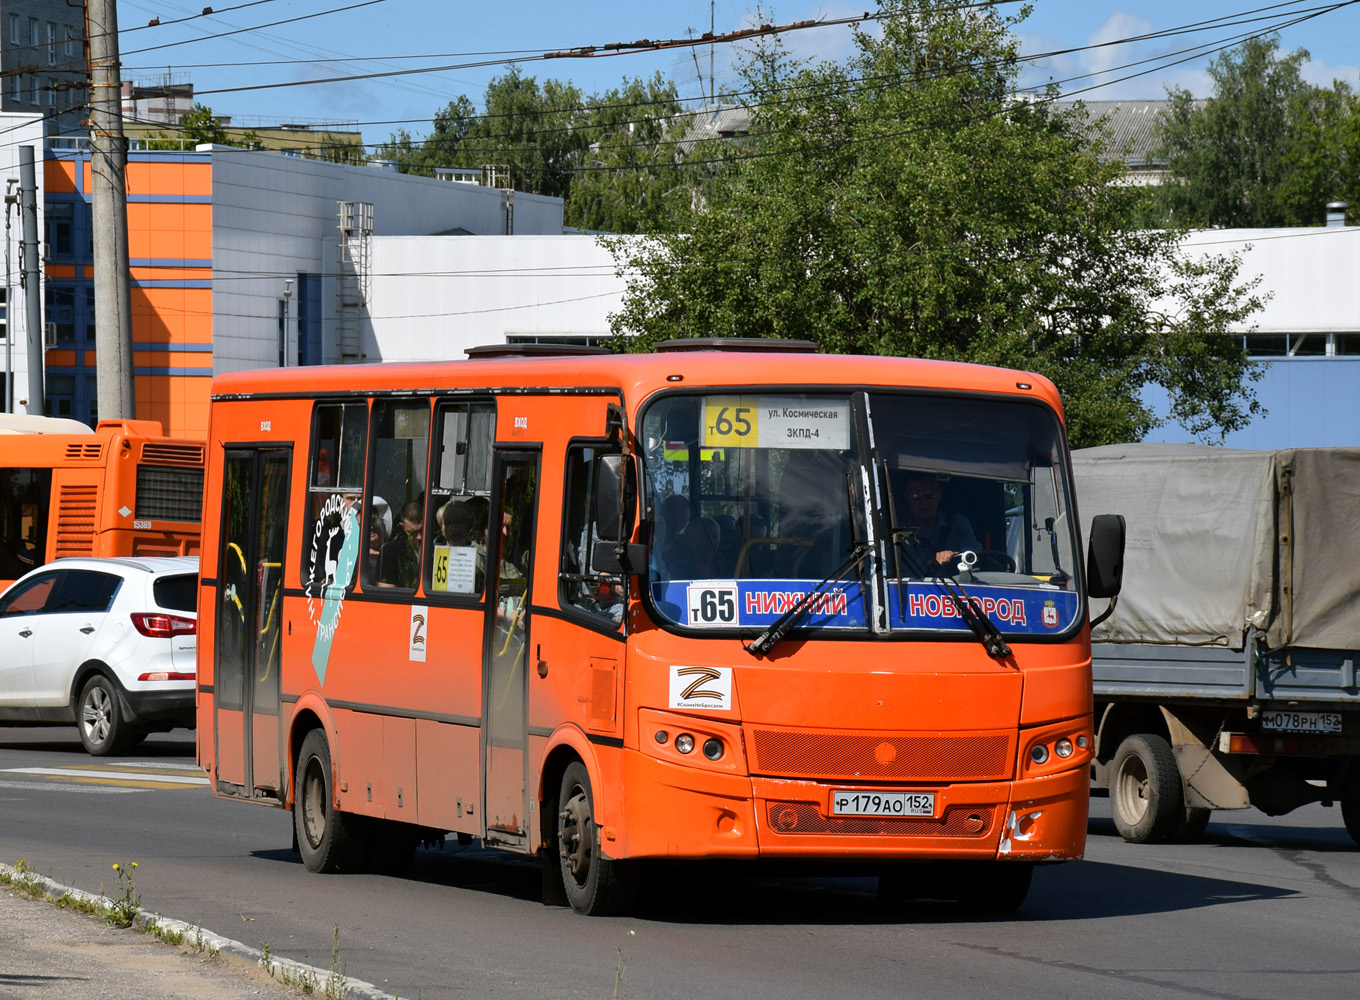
{"type": "Point", "coordinates": [170, 255]}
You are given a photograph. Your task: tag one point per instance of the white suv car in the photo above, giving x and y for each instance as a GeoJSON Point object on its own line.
{"type": "Point", "coordinates": [107, 644]}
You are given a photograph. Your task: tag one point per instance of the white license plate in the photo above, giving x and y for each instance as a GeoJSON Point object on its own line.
{"type": "Point", "coordinates": [848, 802]}
{"type": "Point", "coordinates": [1301, 722]}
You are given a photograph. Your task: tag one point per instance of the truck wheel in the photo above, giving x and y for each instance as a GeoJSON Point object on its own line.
{"type": "Point", "coordinates": [1192, 825]}
{"type": "Point", "coordinates": [1350, 807]}
{"type": "Point", "coordinates": [1146, 800]}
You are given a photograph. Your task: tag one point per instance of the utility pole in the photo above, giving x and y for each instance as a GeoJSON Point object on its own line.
{"type": "Point", "coordinates": [31, 276]}
{"type": "Point", "coordinates": [117, 392]}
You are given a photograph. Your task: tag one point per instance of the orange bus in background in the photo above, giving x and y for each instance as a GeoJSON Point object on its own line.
{"type": "Point", "coordinates": [122, 489]}
{"type": "Point", "coordinates": [683, 605]}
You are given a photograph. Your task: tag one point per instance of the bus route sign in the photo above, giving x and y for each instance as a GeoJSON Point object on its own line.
{"type": "Point", "coordinates": [776, 422]}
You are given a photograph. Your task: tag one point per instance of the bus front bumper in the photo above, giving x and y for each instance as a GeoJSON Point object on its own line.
{"type": "Point", "coordinates": [673, 811]}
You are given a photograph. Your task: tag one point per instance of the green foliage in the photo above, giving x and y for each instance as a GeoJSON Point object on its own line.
{"type": "Point", "coordinates": [551, 139]}
{"type": "Point", "coordinates": [200, 125]}
{"type": "Point", "coordinates": [1266, 149]}
{"type": "Point", "coordinates": [905, 203]}
{"type": "Point", "coordinates": [123, 909]}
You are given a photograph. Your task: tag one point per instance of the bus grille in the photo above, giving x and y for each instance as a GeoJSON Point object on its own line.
{"type": "Point", "coordinates": [76, 507]}
{"type": "Point", "coordinates": [793, 818]}
{"type": "Point", "coordinates": [850, 757]}
{"type": "Point", "coordinates": [84, 452]}
{"type": "Point", "coordinates": [189, 455]}
{"type": "Point", "coordinates": [169, 494]}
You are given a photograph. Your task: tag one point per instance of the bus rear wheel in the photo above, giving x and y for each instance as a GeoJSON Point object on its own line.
{"type": "Point", "coordinates": [328, 840]}
{"type": "Point", "coordinates": [594, 884]}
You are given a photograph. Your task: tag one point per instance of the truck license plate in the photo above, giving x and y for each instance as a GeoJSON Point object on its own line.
{"type": "Point", "coordinates": [1281, 721]}
{"type": "Point", "coordinates": [848, 802]}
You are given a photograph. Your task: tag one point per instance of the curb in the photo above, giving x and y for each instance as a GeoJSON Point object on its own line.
{"type": "Point", "coordinates": [204, 940]}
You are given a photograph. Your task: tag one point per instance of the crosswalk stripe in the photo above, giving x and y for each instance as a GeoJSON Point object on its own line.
{"type": "Point", "coordinates": [53, 786]}
{"type": "Point", "coordinates": [160, 780]}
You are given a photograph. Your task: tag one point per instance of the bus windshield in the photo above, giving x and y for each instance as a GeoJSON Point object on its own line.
{"type": "Point", "coordinates": [759, 498]}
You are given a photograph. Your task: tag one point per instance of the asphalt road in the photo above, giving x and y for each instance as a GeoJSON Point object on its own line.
{"type": "Point", "coordinates": [1262, 908]}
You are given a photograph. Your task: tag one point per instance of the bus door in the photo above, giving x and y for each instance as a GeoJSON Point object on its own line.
{"type": "Point", "coordinates": [249, 618]}
{"type": "Point", "coordinates": [506, 647]}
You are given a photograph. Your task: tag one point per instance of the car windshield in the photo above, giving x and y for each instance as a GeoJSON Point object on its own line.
{"type": "Point", "coordinates": [756, 499]}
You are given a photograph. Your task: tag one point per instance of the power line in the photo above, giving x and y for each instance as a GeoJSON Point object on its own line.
{"type": "Point", "coordinates": [258, 27]}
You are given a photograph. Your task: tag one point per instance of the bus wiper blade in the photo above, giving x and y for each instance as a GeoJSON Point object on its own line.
{"type": "Point", "coordinates": [983, 627]}
{"type": "Point", "coordinates": [766, 641]}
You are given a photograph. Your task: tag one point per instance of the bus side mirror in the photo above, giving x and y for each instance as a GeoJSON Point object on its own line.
{"type": "Point", "coordinates": [1105, 556]}
{"type": "Point", "coordinates": [615, 499]}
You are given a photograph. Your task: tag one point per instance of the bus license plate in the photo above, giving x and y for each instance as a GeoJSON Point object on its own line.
{"type": "Point", "coordinates": [845, 802]}
{"type": "Point", "coordinates": [1280, 721]}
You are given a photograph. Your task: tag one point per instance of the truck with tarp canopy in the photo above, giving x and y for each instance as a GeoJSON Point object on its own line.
{"type": "Point", "coordinates": [1225, 675]}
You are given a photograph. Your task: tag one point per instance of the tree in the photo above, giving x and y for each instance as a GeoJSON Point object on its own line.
{"type": "Point", "coordinates": [200, 125]}
{"type": "Point", "coordinates": [611, 156]}
{"type": "Point", "coordinates": [628, 179]}
{"type": "Point", "coordinates": [906, 203]}
{"type": "Point", "coordinates": [1266, 149]}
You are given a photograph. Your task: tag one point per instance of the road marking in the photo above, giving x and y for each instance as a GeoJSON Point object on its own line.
{"type": "Point", "coordinates": [130, 776]}
{"type": "Point", "coordinates": [52, 786]}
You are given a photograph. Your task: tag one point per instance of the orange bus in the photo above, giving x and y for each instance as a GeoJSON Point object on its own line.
{"type": "Point", "coordinates": [123, 489]}
{"type": "Point", "coordinates": [727, 600]}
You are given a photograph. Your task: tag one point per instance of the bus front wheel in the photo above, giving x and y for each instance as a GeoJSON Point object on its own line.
{"type": "Point", "coordinates": [594, 885]}
{"type": "Point", "coordinates": [327, 839]}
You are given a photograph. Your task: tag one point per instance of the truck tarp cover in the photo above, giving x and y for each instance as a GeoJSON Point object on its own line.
{"type": "Point", "coordinates": [1220, 539]}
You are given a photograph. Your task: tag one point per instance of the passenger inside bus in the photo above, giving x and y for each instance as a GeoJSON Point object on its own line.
{"type": "Point", "coordinates": [400, 565]}
{"type": "Point", "coordinates": [695, 553]}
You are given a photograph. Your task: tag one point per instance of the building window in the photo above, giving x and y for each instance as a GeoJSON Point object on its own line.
{"type": "Point", "coordinates": [59, 399]}
{"type": "Point", "coordinates": [69, 45]}
{"type": "Point", "coordinates": [33, 94]}
{"type": "Point", "coordinates": [61, 315]}
{"type": "Point", "coordinates": [60, 222]}
{"type": "Point", "coordinates": [51, 43]}
{"type": "Point", "coordinates": [33, 32]}
{"type": "Point", "coordinates": [14, 29]}
{"type": "Point", "coordinates": [51, 92]}
{"type": "Point", "coordinates": [16, 89]}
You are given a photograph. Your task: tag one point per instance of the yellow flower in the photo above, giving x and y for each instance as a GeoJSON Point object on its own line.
{"type": "Point", "coordinates": [134, 864]}
{"type": "Point", "coordinates": [115, 867]}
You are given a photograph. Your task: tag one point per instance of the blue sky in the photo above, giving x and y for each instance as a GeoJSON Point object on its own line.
{"type": "Point", "coordinates": [380, 36]}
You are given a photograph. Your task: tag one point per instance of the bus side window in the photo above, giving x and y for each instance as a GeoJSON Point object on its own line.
{"type": "Point", "coordinates": [401, 446]}
{"type": "Point", "coordinates": [25, 496]}
{"type": "Point", "coordinates": [580, 584]}
{"type": "Point", "coordinates": [334, 488]}
{"type": "Point", "coordinates": [459, 507]}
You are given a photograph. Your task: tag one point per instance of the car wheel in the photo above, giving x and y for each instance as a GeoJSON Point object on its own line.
{"type": "Point", "coordinates": [99, 715]}
{"type": "Point", "coordinates": [328, 839]}
{"type": "Point", "coordinates": [594, 884]}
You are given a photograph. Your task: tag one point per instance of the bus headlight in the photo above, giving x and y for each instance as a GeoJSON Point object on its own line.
{"type": "Point", "coordinates": [713, 748]}
{"type": "Point", "coordinates": [1038, 753]}
{"type": "Point", "coordinates": [684, 743]}
{"type": "Point", "coordinates": [1063, 748]}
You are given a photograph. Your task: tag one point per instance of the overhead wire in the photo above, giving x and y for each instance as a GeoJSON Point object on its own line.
{"type": "Point", "coordinates": [861, 84]}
